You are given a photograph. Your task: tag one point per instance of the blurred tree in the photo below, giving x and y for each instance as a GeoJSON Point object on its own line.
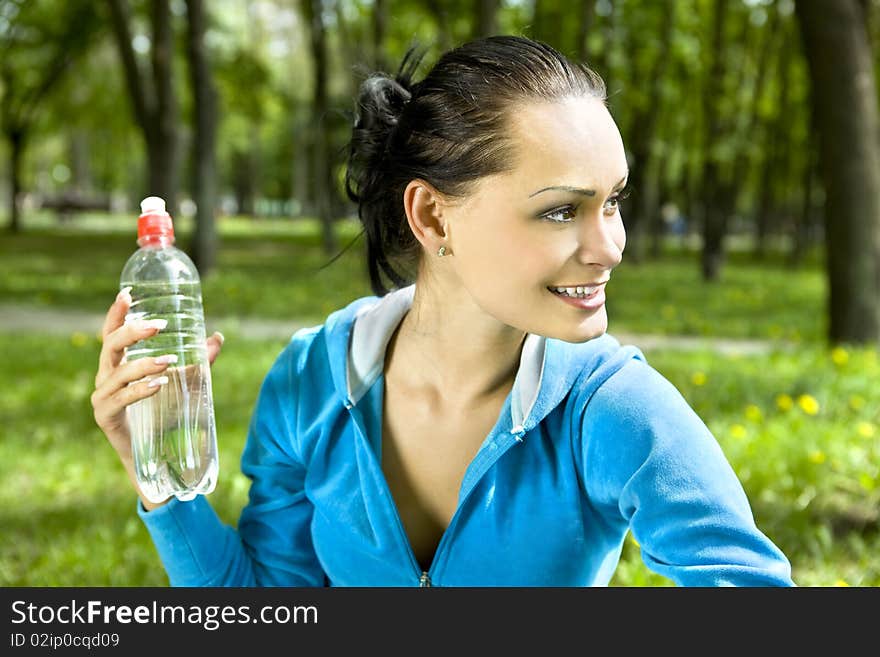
{"type": "Point", "coordinates": [646, 108]}
{"type": "Point", "coordinates": [715, 206]}
{"type": "Point", "coordinates": [203, 249]}
{"type": "Point", "coordinates": [154, 104]}
{"type": "Point", "coordinates": [246, 86]}
{"type": "Point", "coordinates": [486, 15]}
{"type": "Point", "coordinates": [585, 23]}
{"type": "Point", "coordinates": [380, 29]}
{"type": "Point", "coordinates": [776, 134]}
{"type": "Point", "coordinates": [844, 98]}
{"type": "Point", "coordinates": [38, 44]}
{"type": "Point", "coordinates": [314, 14]}
{"type": "Point", "coordinates": [440, 11]}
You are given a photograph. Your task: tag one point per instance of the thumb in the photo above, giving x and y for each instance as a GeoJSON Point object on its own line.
{"type": "Point", "coordinates": [215, 344]}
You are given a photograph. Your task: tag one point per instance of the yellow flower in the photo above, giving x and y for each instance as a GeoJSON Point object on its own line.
{"type": "Point", "coordinates": [699, 378]}
{"type": "Point", "coordinates": [856, 402]}
{"type": "Point", "coordinates": [784, 402]}
{"type": "Point", "coordinates": [753, 413]}
{"type": "Point", "coordinates": [840, 356]}
{"type": "Point", "coordinates": [738, 431]}
{"type": "Point", "coordinates": [841, 582]}
{"type": "Point", "coordinates": [808, 404]}
{"type": "Point", "coordinates": [79, 339]}
{"type": "Point", "coordinates": [817, 456]}
{"type": "Point", "coordinates": [865, 429]}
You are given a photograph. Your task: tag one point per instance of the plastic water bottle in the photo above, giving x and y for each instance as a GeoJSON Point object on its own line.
{"type": "Point", "coordinates": [173, 433]}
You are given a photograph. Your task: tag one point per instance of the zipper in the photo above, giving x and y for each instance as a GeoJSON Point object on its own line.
{"type": "Point", "coordinates": [424, 576]}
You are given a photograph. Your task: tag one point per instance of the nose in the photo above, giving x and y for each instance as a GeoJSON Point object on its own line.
{"type": "Point", "coordinates": [601, 240]}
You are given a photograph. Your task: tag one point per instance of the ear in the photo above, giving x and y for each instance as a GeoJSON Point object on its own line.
{"type": "Point", "coordinates": [424, 207]}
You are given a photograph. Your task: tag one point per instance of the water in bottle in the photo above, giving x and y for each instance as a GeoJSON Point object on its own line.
{"type": "Point", "coordinates": [173, 434]}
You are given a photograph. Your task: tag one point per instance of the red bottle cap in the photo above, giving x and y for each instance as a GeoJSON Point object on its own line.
{"type": "Point", "coordinates": [154, 220]}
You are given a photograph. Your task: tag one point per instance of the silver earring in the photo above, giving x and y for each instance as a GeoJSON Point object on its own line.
{"type": "Point", "coordinates": [441, 251]}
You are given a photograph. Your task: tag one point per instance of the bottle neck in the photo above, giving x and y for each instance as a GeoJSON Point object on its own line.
{"type": "Point", "coordinates": [155, 241]}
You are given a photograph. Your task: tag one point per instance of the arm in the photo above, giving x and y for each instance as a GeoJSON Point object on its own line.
{"type": "Point", "coordinates": [649, 459]}
{"type": "Point", "coordinates": [273, 545]}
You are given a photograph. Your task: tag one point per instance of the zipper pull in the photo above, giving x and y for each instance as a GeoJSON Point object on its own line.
{"type": "Point", "coordinates": [425, 579]}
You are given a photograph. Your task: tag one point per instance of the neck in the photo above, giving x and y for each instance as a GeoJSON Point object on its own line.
{"type": "Point", "coordinates": [449, 348]}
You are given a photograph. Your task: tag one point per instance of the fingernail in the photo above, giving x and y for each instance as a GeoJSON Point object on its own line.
{"type": "Point", "coordinates": [124, 295]}
{"type": "Point", "coordinates": [144, 324]}
{"type": "Point", "coordinates": [158, 381]}
{"type": "Point", "coordinates": [220, 335]}
{"type": "Point", "coordinates": [167, 358]}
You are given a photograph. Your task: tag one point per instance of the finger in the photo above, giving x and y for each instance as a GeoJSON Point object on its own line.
{"type": "Point", "coordinates": [111, 410]}
{"type": "Point", "coordinates": [133, 371]}
{"type": "Point", "coordinates": [140, 390]}
{"type": "Point", "coordinates": [116, 314]}
{"type": "Point", "coordinates": [215, 344]}
{"type": "Point", "coordinates": [115, 343]}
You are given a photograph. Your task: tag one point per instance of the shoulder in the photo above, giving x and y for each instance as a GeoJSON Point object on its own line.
{"type": "Point", "coordinates": [638, 421]}
{"type": "Point", "coordinates": [311, 349]}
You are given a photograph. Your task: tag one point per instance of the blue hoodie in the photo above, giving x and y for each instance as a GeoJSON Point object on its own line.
{"type": "Point", "coordinates": [591, 442]}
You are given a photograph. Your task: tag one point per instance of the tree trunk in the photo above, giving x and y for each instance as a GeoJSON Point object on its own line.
{"type": "Point", "coordinates": [585, 24]}
{"type": "Point", "coordinates": [714, 205]}
{"type": "Point", "coordinates": [486, 23]}
{"type": "Point", "coordinates": [380, 28]}
{"type": "Point", "coordinates": [844, 99]}
{"type": "Point", "coordinates": [644, 205]}
{"type": "Point", "coordinates": [155, 109]}
{"type": "Point", "coordinates": [321, 151]}
{"type": "Point", "coordinates": [164, 165]}
{"type": "Point", "coordinates": [16, 152]}
{"type": "Point", "coordinates": [204, 247]}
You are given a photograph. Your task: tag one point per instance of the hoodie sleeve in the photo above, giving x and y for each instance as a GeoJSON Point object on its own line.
{"type": "Point", "coordinates": [272, 546]}
{"type": "Point", "coordinates": [651, 462]}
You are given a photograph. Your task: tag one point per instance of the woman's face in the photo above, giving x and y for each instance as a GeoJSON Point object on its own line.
{"type": "Point", "coordinates": [552, 222]}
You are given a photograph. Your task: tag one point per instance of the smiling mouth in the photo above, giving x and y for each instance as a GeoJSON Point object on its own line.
{"type": "Point", "coordinates": [577, 292]}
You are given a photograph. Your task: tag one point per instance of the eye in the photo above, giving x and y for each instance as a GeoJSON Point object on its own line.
{"type": "Point", "coordinates": [561, 215]}
{"type": "Point", "coordinates": [612, 205]}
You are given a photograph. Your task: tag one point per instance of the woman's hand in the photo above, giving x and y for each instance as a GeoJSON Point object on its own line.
{"type": "Point", "coordinates": [112, 390]}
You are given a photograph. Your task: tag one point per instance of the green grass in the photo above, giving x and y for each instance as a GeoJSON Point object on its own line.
{"type": "Point", "coordinates": [272, 269]}
{"type": "Point", "coordinates": [68, 512]}
{"type": "Point", "coordinates": [275, 273]}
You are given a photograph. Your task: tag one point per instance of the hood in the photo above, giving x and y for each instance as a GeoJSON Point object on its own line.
{"type": "Point", "coordinates": [358, 335]}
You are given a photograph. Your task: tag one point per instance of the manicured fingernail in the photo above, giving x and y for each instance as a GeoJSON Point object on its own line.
{"type": "Point", "coordinates": [158, 381]}
{"type": "Point", "coordinates": [220, 336]}
{"type": "Point", "coordinates": [124, 295]}
{"type": "Point", "coordinates": [144, 324]}
{"type": "Point", "coordinates": [167, 358]}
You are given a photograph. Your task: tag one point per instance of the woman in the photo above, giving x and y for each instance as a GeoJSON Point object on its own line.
{"type": "Point", "coordinates": [476, 426]}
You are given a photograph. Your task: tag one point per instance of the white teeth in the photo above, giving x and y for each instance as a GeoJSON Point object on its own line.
{"type": "Point", "coordinates": [580, 292]}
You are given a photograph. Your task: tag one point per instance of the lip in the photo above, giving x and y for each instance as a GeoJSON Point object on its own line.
{"type": "Point", "coordinates": [592, 302]}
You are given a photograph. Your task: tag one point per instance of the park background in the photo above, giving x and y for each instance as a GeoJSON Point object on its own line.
{"type": "Point", "coordinates": [750, 278]}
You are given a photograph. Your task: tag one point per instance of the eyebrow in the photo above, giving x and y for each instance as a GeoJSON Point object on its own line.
{"type": "Point", "coordinates": [577, 190]}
